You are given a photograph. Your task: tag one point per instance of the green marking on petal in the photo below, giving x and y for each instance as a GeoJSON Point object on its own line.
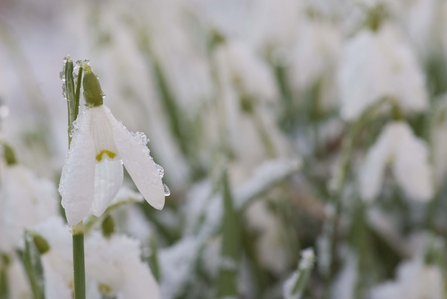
{"type": "Point", "coordinates": [111, 155]}
{"type": "Point", "coordinates": [105, 289]}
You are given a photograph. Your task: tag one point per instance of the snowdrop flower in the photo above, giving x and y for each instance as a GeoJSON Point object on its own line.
{"type": "Point", "coordinates": [409, 157]}
{"type": "Point", "coordinates": [26, 200]}
{"type": "Point", "coordinates": [113, 266]}
{"type": "Point", "coordinates": [116, 266]}
{"type": "Point", "coordinates": [246, 85]}
{"type": "Point", "coordinates": [239, 63]}
{"type": "Point", "coordinates": [344, 284]}
{"type": "Point", "coordinates": [415, 280]}
{"type": "Point", "coordinates": [422, 20]}
{"type": "Point", "coordinates": [93, 171]}
{"type": "Point", "coordinates": [57, 262]}
{"type": "Point", "coordinates": [377, 65]}
{"type": "Point", "coordinates": [317, 51]}
{"type": "Point", "coordinates": [270, 244]}
{"type": "Point", "coordinates": [176, 265]}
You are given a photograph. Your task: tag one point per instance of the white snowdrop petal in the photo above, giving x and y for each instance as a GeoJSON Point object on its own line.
{"type": "Point", "coordinates": [77, 180]}
{"type": "Point", "coordinates": [26, 200]}
{"type": "Point", "coordinates": [140, 283]}
{"type": "Point", "coordinates": [373, 169]}
{"type": "Point", "coordinates": [411, 167]}
{"type": "Point", "coordinates": [377, 65]}
{"type": "Point", "coordinates": [116, 263]}
{"type": "Point", "coordinates": [414, 280]}
{"type": "Point", "coordinates": [18, 281]}
{"type": "Point", "coordinates": [108, 180]}
{"type": "Point", "coordinates": [140, 165]}
{"type": "Point", "coordinates": [55, 285]}
{"type": "Point", "coordinates": [101, 131]}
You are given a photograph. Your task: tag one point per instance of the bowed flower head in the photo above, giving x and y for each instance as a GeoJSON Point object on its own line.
{"type": "Point", "coordinates": [93, 171]}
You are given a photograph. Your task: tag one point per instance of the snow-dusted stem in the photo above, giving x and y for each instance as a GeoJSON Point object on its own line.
{"type": "Point", "coordinates": [78, 261]}
{"type": "Point", "coordinates": [338, 184]}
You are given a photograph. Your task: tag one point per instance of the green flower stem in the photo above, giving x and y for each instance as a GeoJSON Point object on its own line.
{"type": "Point", "coordinates": [338, 184]}
{"type": "Point", "coordinates": [227, 285]}
{"type": "Point", "coordinates": [72, 96]}
{"type": "Point", "coordinates": [78, 261]}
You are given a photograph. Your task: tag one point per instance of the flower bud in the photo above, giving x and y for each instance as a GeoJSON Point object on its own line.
{"type": "Point", "coordinates": [9, 155]}
{"type": "Point", "coordinates": [93, 94]}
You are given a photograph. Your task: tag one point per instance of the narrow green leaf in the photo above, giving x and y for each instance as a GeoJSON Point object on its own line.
{"type": "Point", "coordinates": [295, 286]}
{"type": "Point", "coordinates": [153, 258]}
{"type": "Point", "coordinates": [4, 292]}
{"type": "Point", "coordinates": [68, 90]}
{"type": "Point", "coordinates": [31, 261]}
{"type": "Point", "coordinates": [228, 273]}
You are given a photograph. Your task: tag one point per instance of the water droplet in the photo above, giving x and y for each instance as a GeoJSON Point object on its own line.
{"type": "Point", "coordinates": [166, 189]}
{"type": "Point", "coordinates": [161, 171]}
{"type": "Point", "coordinates": [62, 76]}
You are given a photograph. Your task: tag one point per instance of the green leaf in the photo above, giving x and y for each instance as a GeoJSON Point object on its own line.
{"type": "Point", "coordinates": [295, 286]}
{"type": "Point", "coordinates": [230, 251]}
{"type": "Point", "coordinates": [153, 258]}
{"type": "Point", "coordinates": [32, 263]}
{"type": "Point", "coordinates": [4, 264]}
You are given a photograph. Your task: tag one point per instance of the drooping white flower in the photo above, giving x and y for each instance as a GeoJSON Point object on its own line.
{"type": "Point", "coordinates": [57, 263]}
{"type": "Point", "coordinates": [116, 266]}
{"type": "Point", "coordinates": [113, 266]}
{"type": "Point", "coordinates": [377, 65]}
{"type": "Point", "coordinates": [93, 171]}
{"type": "Point", "coordinates": [246, 84]}
{"type": "Point", "coordinates": [270, 243]}
{"type": "Point", "coordinates": [314, 58]}
{"type": "Point", "coordinates": [176, 265]}
{"type": "Point", "coordinates": [409, 158]}
{"type": "Point", "coordinates": [415, 280]}
{"type": "Point", "coordinates": [238, 63]}
{"type": "Point", "coordinates": [26, 200]}
{"type": "Point", "coordinates": [344, 284]}
{"type": "Point", "coordinates": [423, 23]}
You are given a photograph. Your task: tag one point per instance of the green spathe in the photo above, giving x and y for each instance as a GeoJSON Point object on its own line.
{"type": "Point", "coordinates": [93, 94]}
